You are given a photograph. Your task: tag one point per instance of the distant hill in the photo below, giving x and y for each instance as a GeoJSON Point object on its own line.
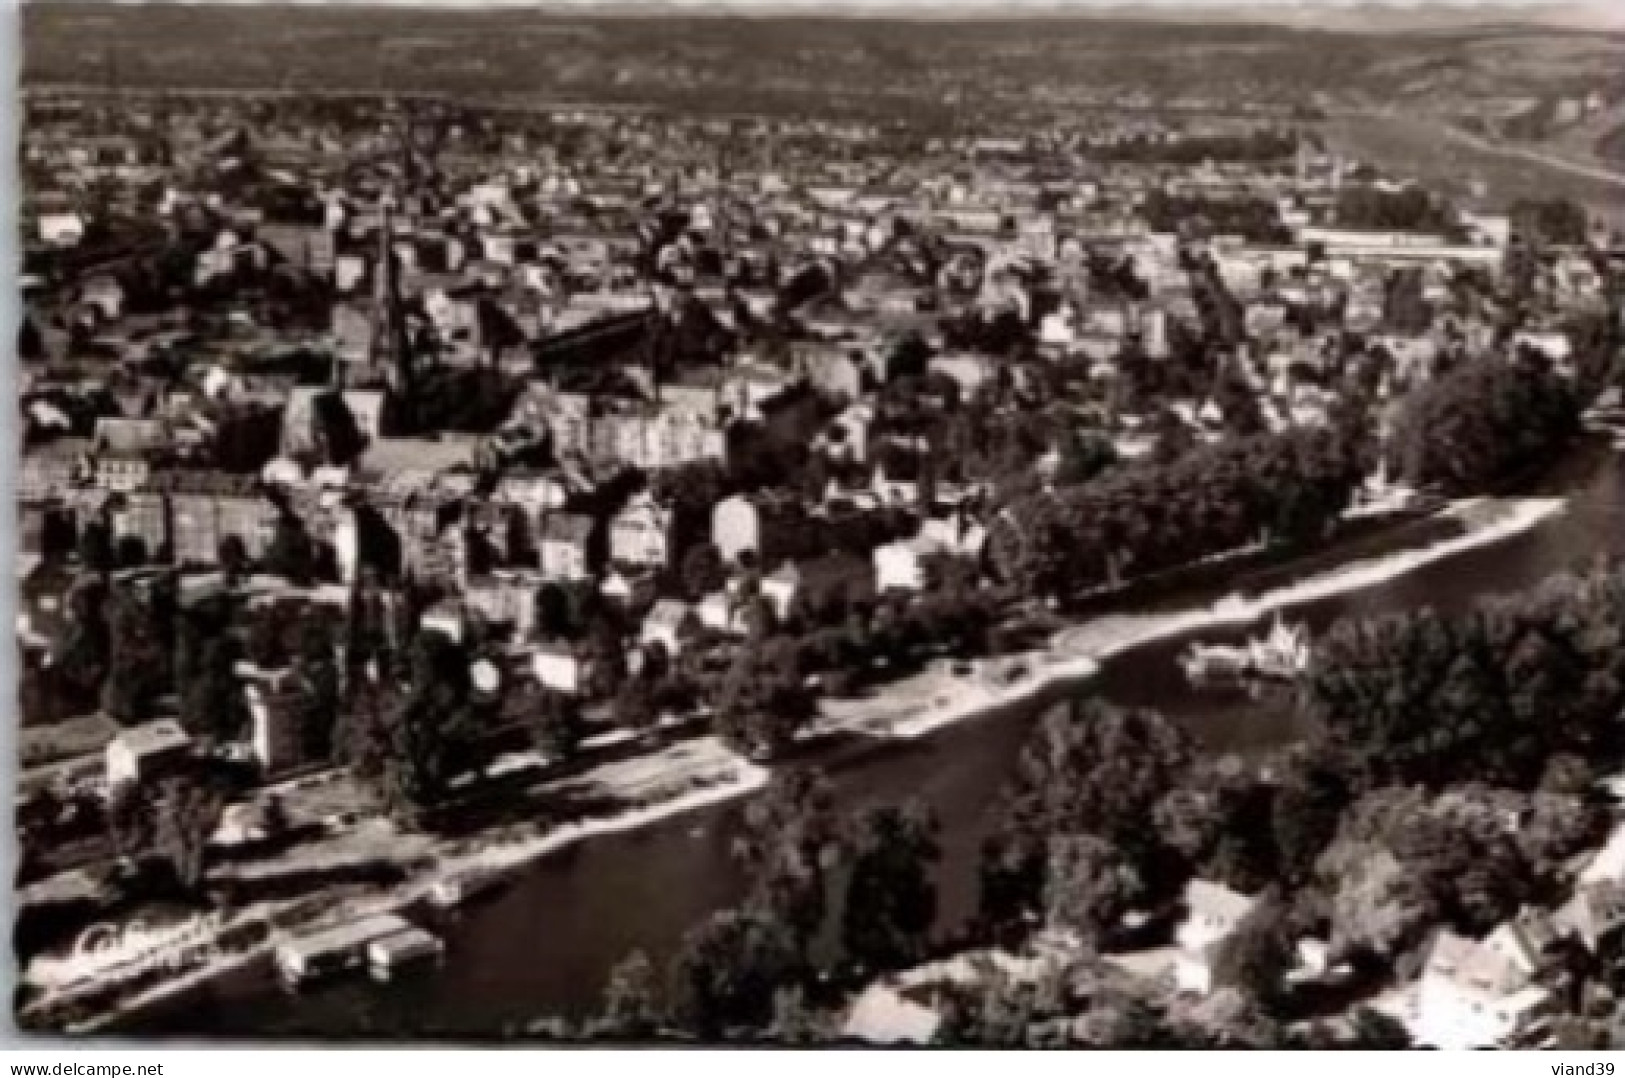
{"type": "Point", "coordinates": [1243, 53]}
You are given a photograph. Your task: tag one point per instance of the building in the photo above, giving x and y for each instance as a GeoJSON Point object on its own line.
{"type": "Point", "coordinates": [759, 525]}
{"type": "Point", "coordinates": [206, 509]}
{"type": "Point", "coordinates": [666, 624]}
{"type": "Point", "coordinates": [1595, 915]}
{"type": "Point", "coordinates": [563, 548]}
{"type": "Point", "coordinates": [143, 753]}
{"type": "Point", "coordinates": [47, 470]}
{"type": "Point", "coordinates": [140, 525]}
{"type": "Point", "coordinates": [505, 597]}
{"type": "Point", "coordinates": [780, 588]}
{"type": "Point", "coordinates": [275, 737]}
{"type": "Point", "coordinates": [559, 667]}
{"type": "Point", "coordinates": [640, 534]}
{"type": "Point", "coordinates": [1479, 993]}
{"type": "Point", "coordinates": [883, 1014]}
{"type": "Point", "coordinates": [900, 566]}
{"type": "Point", "coordinates": [1213, 913]}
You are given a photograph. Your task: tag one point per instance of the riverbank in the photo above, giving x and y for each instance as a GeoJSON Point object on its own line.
{"type": "Point", "coordinates": [939, 697]}
{"type": "Point", "coordinates": [685, 776]}
{"type": "Point", "coordinates": [680, 778]}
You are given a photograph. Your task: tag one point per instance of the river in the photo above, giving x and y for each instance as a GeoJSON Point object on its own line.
{"type": "Point", "coordinates": [544, 945]}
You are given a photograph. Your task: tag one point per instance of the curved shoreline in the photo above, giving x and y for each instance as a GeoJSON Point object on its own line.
{"type": "Point", "coordinates": [1074, 654]}
{"type": "Point", "coordinates": [507, 857]}
{"type": "Point", "coordinates": [1077, 652]}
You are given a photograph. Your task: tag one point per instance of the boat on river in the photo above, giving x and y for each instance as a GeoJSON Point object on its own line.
{"type": "Point", "coordinates": [1281, 655]}
{"type": "Point", "coordinates": [1210, 665]}
{"type": "Point", "coordinates": [409, 948]}
{"type": "Point", "coordinates": [459, 886]}
{"type": "Point", "coordinates": [312, 956]}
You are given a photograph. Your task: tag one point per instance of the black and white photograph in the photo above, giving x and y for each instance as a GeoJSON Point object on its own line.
{"type": "Point", "coordinates": [1048, 526]}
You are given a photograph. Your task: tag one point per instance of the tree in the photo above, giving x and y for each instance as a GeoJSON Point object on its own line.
{"type": "Point", "coordinates": [634, 705]}
{"type": "Point", "coordinates": [291, 554]}
{"type": "Point", "coordinates": [1482, 423]}
{"type": "Point", "coordinates": [1379, 909]}
{"type": "Point", "coordinates": [83, 645]}
{"type": "Point", "coordinates": [138, 663]}
{"type": "Point", "coordinates": [1088, 887]}
{"type": "Point", "coordinates": [1087, 768]}
{"type": "Point", "coordinates": [212, 705]}
{"type": "Point", "coordinates": [555, 613]}
{"type": "Point", "coordinates": [316, 684]}
{"type": "Point", "coordinates": [187, 814]}
{"type": "Point", "coordinates": [409, 739]}
{"type": "Point", "coordinates": [1304, 818]}
{"type": "Point", "coordinates": [726, 973]}
{"type": "Point", "coordinates": [790, 844]}
{"type": "Point", "coordinates": [891, 899]}
{"type": "Point", "coordinates": [1083, 455]}
{"type": "Point", "coordinates": [703, 570]}
{"type": "Point", "coordinates": [233, 558]}
{"type": "Point", "coordinates": [1223, 1020]}
{"type": "Point", "coordinates": [267, 632]}
{"type": "Point", "coordinates": [796, 1022]}
{"type": "Point", "coordinates": [338, 438]}
{"type": "Point", "coordinates": [131, 819]}
{"type": "Point", "coordinates": [763, 701]}
{"type": "Point", "coordinates": [1557, 221]}
{"type": "Point", "coordinates": [631, 1008]}
{"type": "Point", "coordinates": [95, 547]}
{"type": "Point", "coordinates": [1255, 959]}
{"type": "Point", "coordinates": [555, 725]}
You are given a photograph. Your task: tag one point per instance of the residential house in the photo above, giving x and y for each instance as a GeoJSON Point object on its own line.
{"type": "Point", "coordinates": [126, 450]}
{"type": "Point", "coordinates": [830, 369]}
{"type": "Point", "coordinates": [560, 666]}
{"type": "Point", "coordinates": [206, 509]}
{"type": "Point", "coordinates": [1595, 915]}
{"type": "Point", "coordinates": [905, 565]}
{"type": "Point", "coordinates": [722, 612]}
{"type": "Point", "coordinates": [275, 735]}
{"type": "Point", "coordinates": [640, 534]}
{"type": "Point", "coordinates": [780, 588]}
{"type": "Point", "coordinates": [1213, 913]}
{"type": "Point", "coordinates": [1477, 994]}
{"type": "Point", "coordinates": [564, 546]}
{"type": "Point", "coordinates": [140, 525]}
{"type": "Point", "coordinates": [666, 624]}
{"type": "Point", "coordinates": [759, 524]}
{"type": "Point", "coordinates": [48, 470]}
{"type": "Point", "coordinates": [505, 597]}
{"type": "Point", "coordinates": [900, 565]}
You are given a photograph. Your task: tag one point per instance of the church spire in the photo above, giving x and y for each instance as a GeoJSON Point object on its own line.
{"type": "Point", "coordinates": [391, 352]}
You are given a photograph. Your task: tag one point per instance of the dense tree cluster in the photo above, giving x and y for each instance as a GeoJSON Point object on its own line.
{"type": "Point", "coordinates": [1258, 147]}
{"type": "Point", "coordinates": [1152, 515]}
{"type": "Point", "coordinates": [864, 877]}
{"type": "Point", "coordinates": [410, 737]}
{"type": "Point", "coordinates": [1493, 694]}
{"type": "Point", "coordinates": [1482, 423]}
{"type": "Point", "coordinates": [1087, 782]}
{"type": "Point", "coordinates": [1410, 209]}
{"type": "Point", "coordinates": [1404, 861]}
{"type": "Point", "coordinates": [1255, 220]}
{"type": "Point", "coordinates": [1549, 221]}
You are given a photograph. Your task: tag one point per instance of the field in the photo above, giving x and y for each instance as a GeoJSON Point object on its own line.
{"type": "Point", "coordinates": [1424, 148]}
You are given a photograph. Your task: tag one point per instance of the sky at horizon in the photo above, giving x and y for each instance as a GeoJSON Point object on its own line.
{"type": "Point", "coordinates": [1599, 13]}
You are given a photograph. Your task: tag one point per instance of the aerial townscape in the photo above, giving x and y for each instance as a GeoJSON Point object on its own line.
{"type": "Point", "coordinates": [655, 529]}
